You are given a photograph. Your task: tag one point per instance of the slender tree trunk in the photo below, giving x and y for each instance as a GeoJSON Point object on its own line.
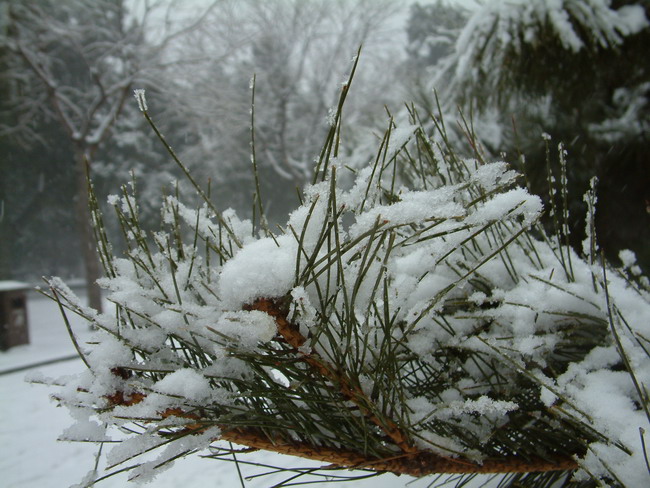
{"type": "Point", "coordinates": [5, 243]}
{"type": "Point", "coordinates": [86, 236]}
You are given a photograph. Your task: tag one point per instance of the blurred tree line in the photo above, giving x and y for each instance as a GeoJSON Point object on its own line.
{"type": "Point", "coordinates": [68, 73]}
{"type": "Point", "coordinates": [68, 70]}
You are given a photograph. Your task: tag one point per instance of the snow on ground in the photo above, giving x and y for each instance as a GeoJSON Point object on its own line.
{"type": "Point", "coordinates": [31, 456]}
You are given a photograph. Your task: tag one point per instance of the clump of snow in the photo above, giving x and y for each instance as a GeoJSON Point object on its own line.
{"type": "Point", "coordinates": [185, 383]}
{"type": "Point", "coordinates": [147, 471]}
{"type": "Point", "coordinates": [414, 207]}
{"type": "Point", "coordinates": [627, 257]}
{"type": "Point", "coordinates": [302, 311]}
{"type": "Point", "coordinates": [113, 200]}
{"type": "Point", "coordinates": [247, 328]}
{"type": "Point", "coordinates": [494, 175]}
{"type": "Point", "coordinates": [264, 268]}
{"type": "Point", "coordinates": [632, 19]}
{"type": "Point", "coordinates": [84, 429]}
{"type": "Point", "coordinates": [514, 202]}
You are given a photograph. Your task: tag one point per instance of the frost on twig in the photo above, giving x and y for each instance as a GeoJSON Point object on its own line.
{"type": "Point", "coordinates": [140, 97]}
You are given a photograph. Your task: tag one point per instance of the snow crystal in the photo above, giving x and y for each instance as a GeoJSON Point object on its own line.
{"type": "Point", "coordinates": [422, 409]}
{"type": "Point", "coordinates": [483, 406]}
{"type": "Point", "coordinates": [331, 117]}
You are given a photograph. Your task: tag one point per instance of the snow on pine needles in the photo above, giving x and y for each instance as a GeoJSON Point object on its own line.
{"type": "Point", "coordinates": [420, 309]}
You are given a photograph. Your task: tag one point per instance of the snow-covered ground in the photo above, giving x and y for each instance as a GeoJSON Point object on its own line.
{"type": "Point", "coordinates": [31, 456]}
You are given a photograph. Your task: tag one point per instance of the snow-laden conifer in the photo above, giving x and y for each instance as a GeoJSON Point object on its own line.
{"type": "Point", "coordinates": [417, 321]}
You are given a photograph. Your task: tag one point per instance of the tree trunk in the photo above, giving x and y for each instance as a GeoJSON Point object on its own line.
{"type": "Point", "coordinates": [5, 243]}
{"type": "Point", "coordinates": [85, 229]}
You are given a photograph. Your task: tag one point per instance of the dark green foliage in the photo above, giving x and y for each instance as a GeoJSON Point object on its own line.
{"type": "Point", "coordinates": [592, 95]}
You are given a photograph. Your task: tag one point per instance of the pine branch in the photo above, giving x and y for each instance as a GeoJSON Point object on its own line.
{"type": "Point", "coordinates": [413, 323]}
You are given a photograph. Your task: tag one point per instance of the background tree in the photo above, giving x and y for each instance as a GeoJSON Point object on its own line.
{"type": "Point", "coordinates": [73, 65]}
{"type": "Point", "coordinates": [299, 52]}
{"type": "Point", "coordinates": [204, 81]}
{"type": "Point", "coordinates": [432, 31]}
{"type": "Point", "coordinates": [576, 70]}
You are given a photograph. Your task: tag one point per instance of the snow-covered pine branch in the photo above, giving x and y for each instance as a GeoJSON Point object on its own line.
{"type": "Point", "coordinates": [417, 321]}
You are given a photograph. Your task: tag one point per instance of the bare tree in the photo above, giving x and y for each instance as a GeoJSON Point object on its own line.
{"type": "Point", "coordinates": [76, 63]}
{"type": "Point", "coordinates": [300, 52]}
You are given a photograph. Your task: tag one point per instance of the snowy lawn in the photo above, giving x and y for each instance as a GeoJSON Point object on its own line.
{"type": "Point", "coordinates": [32, 457]}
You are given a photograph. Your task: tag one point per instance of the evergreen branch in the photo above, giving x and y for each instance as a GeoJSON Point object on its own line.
{"type": "Point", "coordinates": [292, 335]}
{"type": "Point", "coordinates": [412, 323]}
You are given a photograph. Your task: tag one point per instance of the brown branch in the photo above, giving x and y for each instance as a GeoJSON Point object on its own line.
{"type": "Point", "coordinates": [415, 463]}
{"type": "Point", "coordinates": [292, 335]}
{"type": "Point", "coordinates": [411, 461]}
